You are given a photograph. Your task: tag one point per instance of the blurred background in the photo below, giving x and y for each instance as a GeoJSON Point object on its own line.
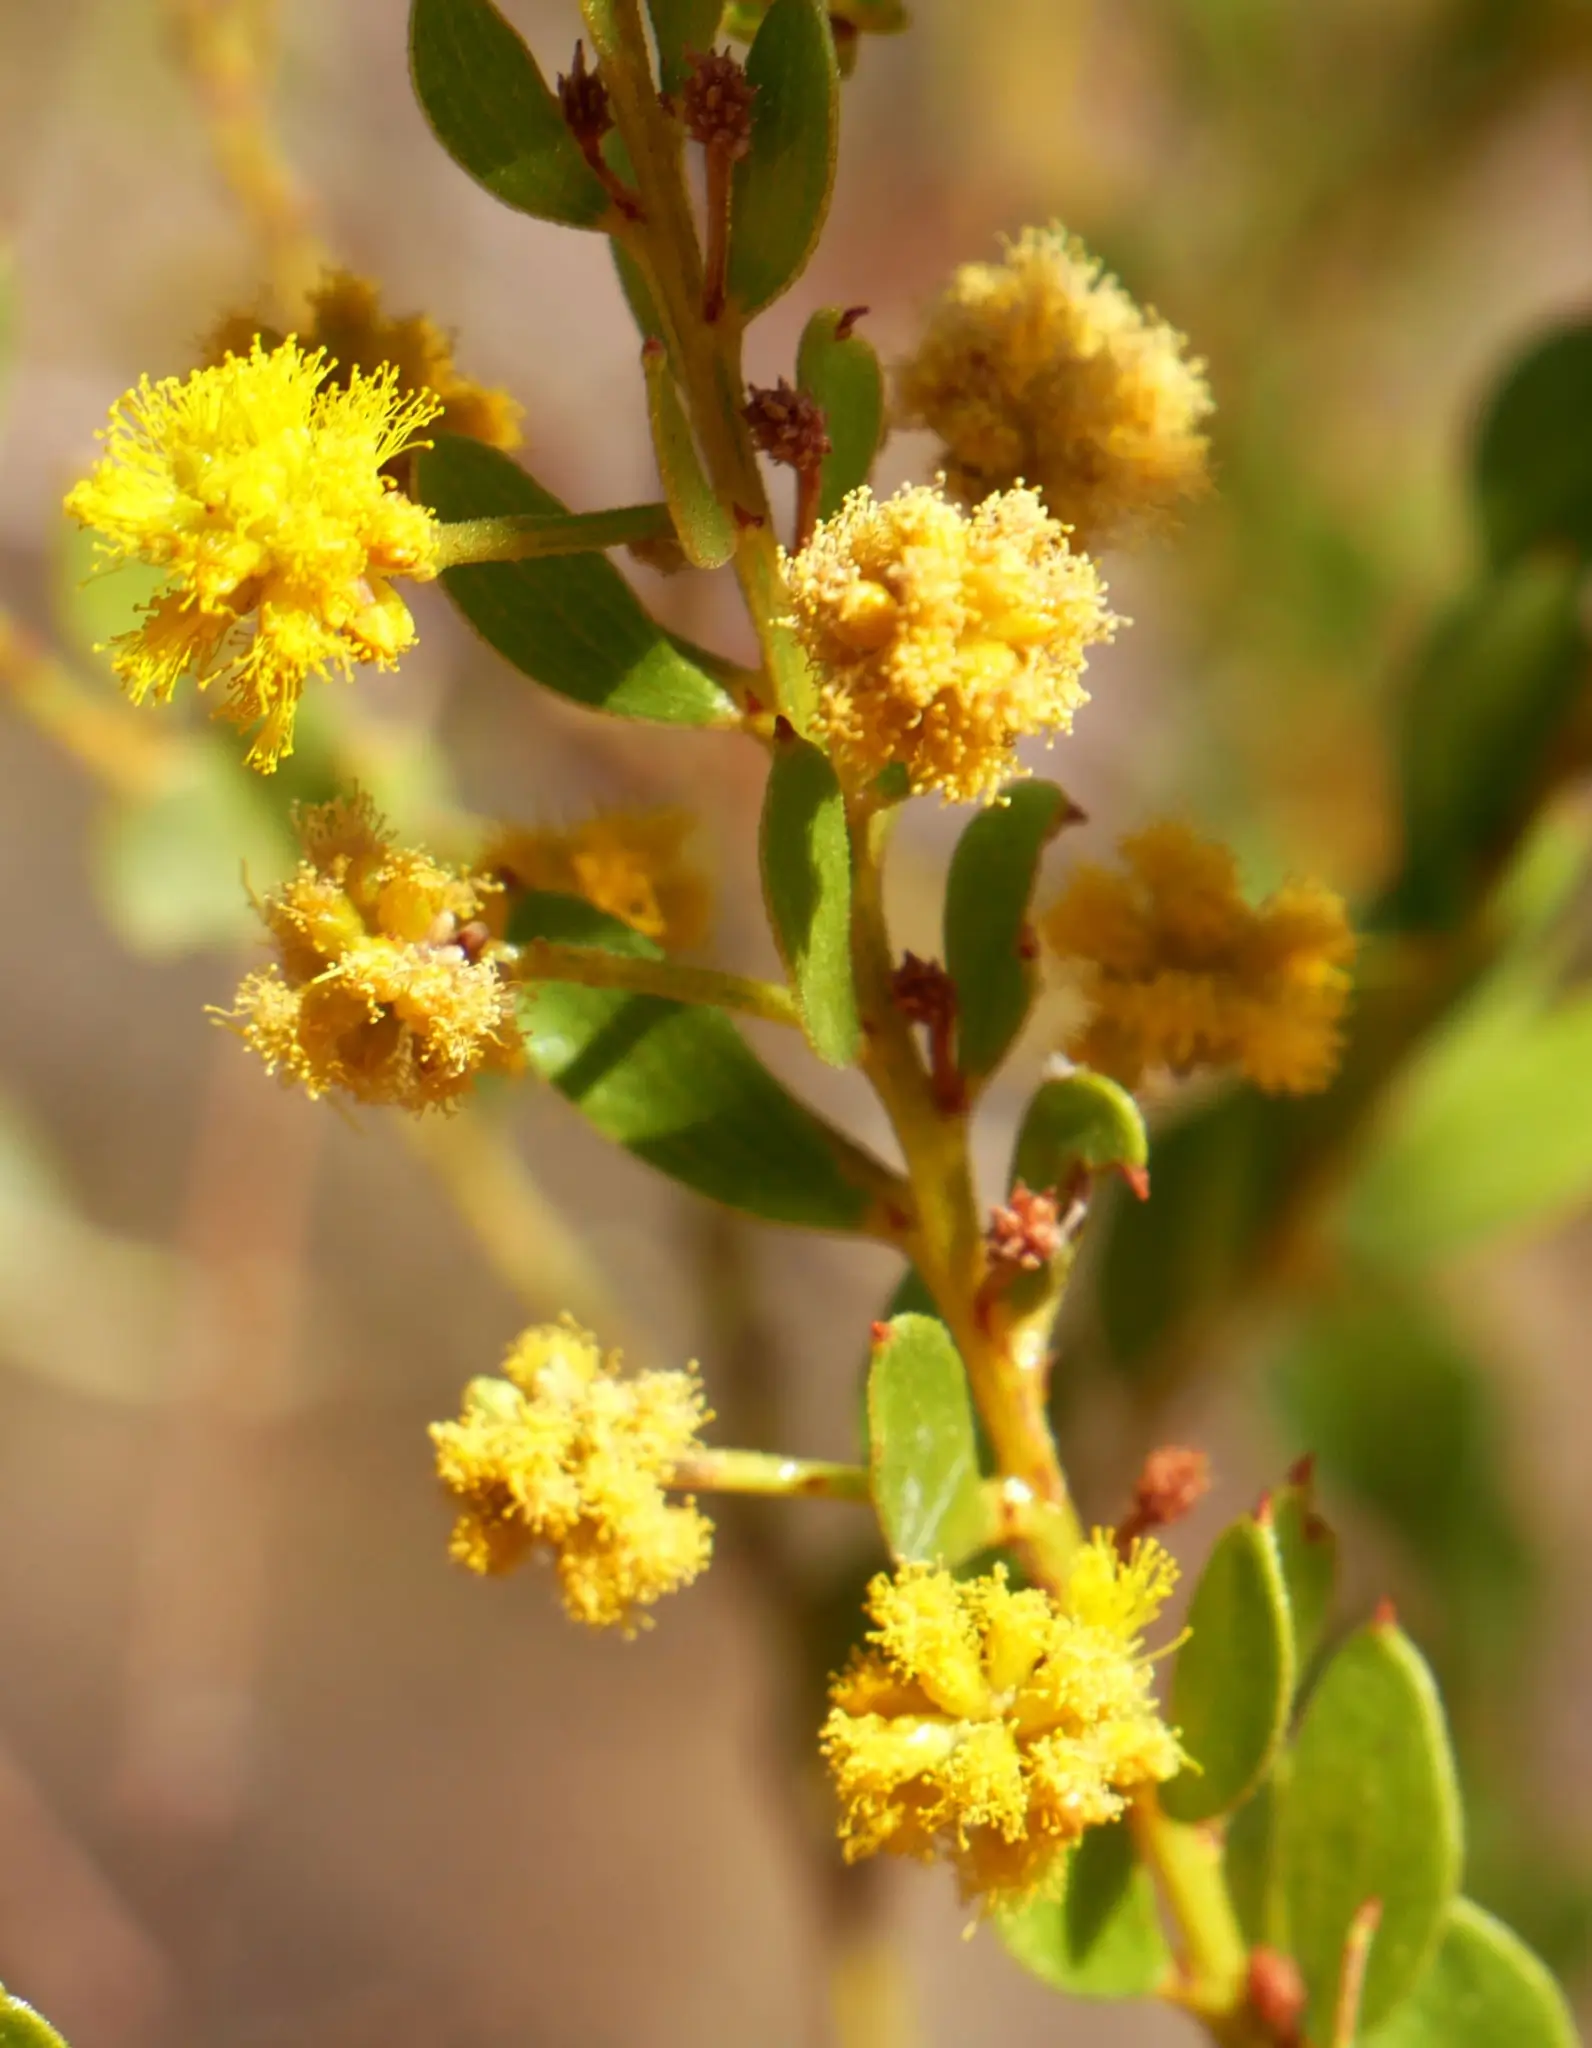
{"type": "Point", "coordinates": [271, 1771]}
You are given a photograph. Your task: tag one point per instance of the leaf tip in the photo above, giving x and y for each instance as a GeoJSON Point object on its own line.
{"type": "Point", "coordinates": [1302, 1472]}
{"type": "Point", "coordinates": [848, 321]}
{"type": "Point", "coordinates": [1138, 1179]}
{"type": "Point", "coordinates": [1385, 1617]}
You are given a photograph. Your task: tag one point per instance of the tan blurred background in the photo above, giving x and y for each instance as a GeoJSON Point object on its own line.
{"type": "Point", "coordinates": [270, 1771]}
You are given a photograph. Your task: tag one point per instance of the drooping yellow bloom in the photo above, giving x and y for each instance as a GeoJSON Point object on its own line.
{"type": "Point", "coordinates": [346, 320]}
{"type": "Point", "coordinates": [990, 1727]}
{"type": "Point", "coordinates": [564, 1455]}
{"type": "Point", "coordinates": [1041, 368]}
{"type": "Point", "coordinates": [631, 864]}
{"type": "Point", "coordinates": [941, 639]}
{"type": "Point", "coordinates": [386, 988]}
{"type": "Point", "coordinates": [1179, 971]}
{"type": "Point", "coordinates": [258, 489]}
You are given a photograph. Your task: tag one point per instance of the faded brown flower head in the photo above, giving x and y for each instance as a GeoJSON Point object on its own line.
{"type": "Point", "coordinates": [716, 103]}
{"type": "Point", "coordinates": [787, 425]}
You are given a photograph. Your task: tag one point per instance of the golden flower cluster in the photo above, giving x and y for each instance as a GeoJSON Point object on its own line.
{"type": "Point", "coordinates": [565, 1455]}
{"type": "Point", "coordinates": [346, 320]}
{"type": "Point", "coordinates": [1041, 369]}
{"type": "Point", "coordinates": [386, 987]}
{"type": "Point", "coordinates": [631, 864]}
{"type": "Point", "coordinates": [989, 1727]}
{"type": "Point", "coordinates": [257, 487]}
{"type": "Point", "coordinates": [941, 639]}
{"type": "Point", "coordinates": [1179, 971]}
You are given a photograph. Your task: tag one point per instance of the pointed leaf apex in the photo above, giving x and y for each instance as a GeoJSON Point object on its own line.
{"type": "Point", "coordinates": [1302, 1472]}
{"type": "Point", "coordinates": [1386, 1616]}
{"type": "Point", "coordinates": [1138, 1179]}
{"type": "Point", "coordinates": [1263, 1510]}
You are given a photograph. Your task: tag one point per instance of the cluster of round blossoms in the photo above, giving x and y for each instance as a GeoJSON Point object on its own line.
{"type": "Point", "coordinates": [386, 988]}
{"type": "Point", "coordinates": [565, 1455]}
{"type": "Point", "coordinates": [1041, 369]}
{"type": "Point", "coordinates": [940, 639]}
{"type": "Point", "coordinates": [989, 1726]}
{"type": "Point", "coordinates": [1179, 971]}
{"type": "Point", "coordinates": [257, 486]}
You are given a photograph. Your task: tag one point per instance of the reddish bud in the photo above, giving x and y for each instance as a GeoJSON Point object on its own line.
{"type": "Point", "coordinates": [787, 425]}
{"type": "Point", "coordinates": [716, 103]}
{"type": "Point", "coordinates": [1173, 1479]}
{"type": "Point", "coordinates": [1277, 1995]}
{"type": "Point", "coordinates": [1024, 1232]}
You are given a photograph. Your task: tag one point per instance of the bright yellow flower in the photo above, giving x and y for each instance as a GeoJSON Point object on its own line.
{"type": "Point", "coordinates": [565, 1455]}
{"type": "Point", "coordinates": [631, 864]}
{"type": "Point", "coordinates": [260, 493]}
{"type": "Point", "coordinates": [1179, 971]}
{"type": "Point", "coordinates": [346, 320]}
{"type": "Point", "coordinates": [1040, 368]}
{"type": "Point", "coordinates": [939, 639]}
{"type": "Point", "coordinates": [386, 988]}
{"type": "Point", "coordinates": [990, 1727]}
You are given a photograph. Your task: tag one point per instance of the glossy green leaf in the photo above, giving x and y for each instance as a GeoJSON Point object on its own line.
{"type": "Point", "coordinates": [1371, 1811]}
{"type": "Point", "coordinates": [704, 524]}
{"type": "Point", "coordinates": [572, 623]}
{"type": "Point", "coordinates": [22, 2027]}
{"type": "Point", "coordinates": [1249, 1867]}
{"type": "Point", "coordinates": [1533, 457]}
{"type": "Point", "coordinates": [1079, 1122]}
{"type": "Point", "coordinates": [989, 946]}
{"type": "Point", "coordinates": [1307, 1548]}
{"type": "Point", "coordinates": [1482, 1989]}
{"type": "Point", "coordinates": [1232, 1684]}
{"type": "Point", "coordinates": [1481, 722]}
{"type": "Point", "coordinates": [923, 1448]}
{"type": "Point", "coordinates": [1102, 1937]}
{"type": "Point", "coordinates": [781, 187]}
{"type": "Point", "coordinates": [681, 28]}
{"type": "Point", "coordinates": [492, 111]}
{"type": "Point", "coordinates": [679, 1087]}
{"type": "Point", "coordinates": [806, 860]}
{"type": "Point", "coordinates": [840, 369]}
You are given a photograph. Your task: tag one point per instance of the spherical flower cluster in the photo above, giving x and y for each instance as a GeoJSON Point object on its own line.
{"type": "Point", "coordinates": [941, 639]}
{"type": "Point", "coordinates": [347, 321]}
{"type": "Point", "coordinates": [1041, 368]}
{"type": "Point", "coordinates": [257, 487]}
{"type": "Point", "coordinates": [564, 1455]}
{"type": "Point", "coordinates": [990, 1727]}
{"type": "Point", "coordinates": [631, 864]}
{"type": "Point", "coordinates": [1178, 971]}
{"type": "Point", "coordinates": [386, 988]}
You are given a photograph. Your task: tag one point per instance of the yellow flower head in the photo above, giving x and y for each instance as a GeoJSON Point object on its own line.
{"type": "Point", "coordinates": [1041, 368]}
{"type": "Point", "coordinates": [631, 864]}
{"type": "Point", "coordinates": [990, 1727]}
{"type": "Point", "coordinates": [346, 320]}
{"type": "Point", "coordinates": [1179, 971]}
{"type": "Point", "coordinates": [260, 493]}
{"type": "Point", "coordinates": [386, 988]}
{"type": "Point", "coordinates": [565, 1455]}
{"type": "Point", "coordinates": [941, 639]}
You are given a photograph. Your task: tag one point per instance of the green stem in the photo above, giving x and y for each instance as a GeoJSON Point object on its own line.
{"type": "Point", "coordinates": [528, 536]}
{"type": "Point", "coordinates": [1187, 1865]}
{"type": "Point", "coordinates": [591, 967]}
{"type": "Point", "coordinates": [765, 1472]}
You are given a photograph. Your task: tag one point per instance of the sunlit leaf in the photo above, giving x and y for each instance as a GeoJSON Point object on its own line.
{"type": "Point", "coordinates": [923, 1447]}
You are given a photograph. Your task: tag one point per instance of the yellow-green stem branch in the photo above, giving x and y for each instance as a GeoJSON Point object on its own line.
{"type": "Point", "coordinates": [591, 967]}
{"type": "Point", "coordinates": [528, 536]}
{"type": "Point", "coordinates": [1186, 1863]}
{"type": "Point", "coordinates": [765, 1472]}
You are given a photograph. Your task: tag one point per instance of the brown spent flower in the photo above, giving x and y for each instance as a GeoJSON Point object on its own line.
{"type": "Point", "coordinates": [1024, 1232]}
{"type": "Point", "coordinates": [1174, 1478]}
{"type": "Point", "coordinates": [787, 425]}
{"type": "Point", "coordinates": [716, 103]}
{"type": "Point", "coordinates": [583, 100]}
{"type": "Point", "coordinates": [923, 992]}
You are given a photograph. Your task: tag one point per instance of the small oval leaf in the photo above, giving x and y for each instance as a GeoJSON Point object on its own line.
{"type": "Point", "coordinates": [572, 623]}
{"type": "Point", "coordinates": [1232, 1685]}
{"type": "Point", "coordinates": [806, 859]}
{"type": "Point", "coordinates": [840, 369]}
{"type": "Point", "coordinates": [491, 109]}
{"type": "Point", "coordinates": [1482, 1989]}
{"type": "Point", "coordinates": [703, 523]}
{"type": "Point", "coordinates": [1533, 459]}
{"type": "Point", "coordinates": [781, 187]}
{"type": "Point", "coordinates": [679, 1087]}
{"type": "Point", "coordinates": [1370, 1811]}
{"type": "Point", "coordinates": [1102, 1937]}
{"type": "Point", "coordinates": [922, 1443]}
{"type": "Point", "coordinates": [988, 952]}
{"type": "Point", "coordinates": [1080, 1123]}
{"type": "Point", "coordinates": [1307, 1546]}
